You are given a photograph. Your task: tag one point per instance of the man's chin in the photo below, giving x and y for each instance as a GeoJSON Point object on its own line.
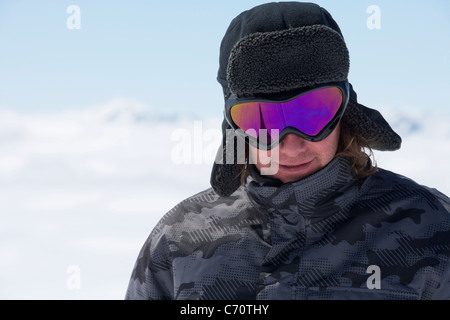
{"type": "Point", "coordinates": [290, 173]}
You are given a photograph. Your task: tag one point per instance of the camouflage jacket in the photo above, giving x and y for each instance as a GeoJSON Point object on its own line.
{"type": "Point", "coordinates": [328, 236]}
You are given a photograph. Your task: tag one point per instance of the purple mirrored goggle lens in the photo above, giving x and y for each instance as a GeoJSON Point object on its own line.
{"type": "Point", "coordinates": [309, 113]}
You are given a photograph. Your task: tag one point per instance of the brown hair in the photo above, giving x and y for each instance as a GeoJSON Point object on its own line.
{"type": "Point", "coordinates": [351, 145]}
{"type": "Point", "coordinates": [357, 149]}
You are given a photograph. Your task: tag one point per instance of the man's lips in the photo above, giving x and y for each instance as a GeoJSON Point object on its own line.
{"type": "Point", "coordinates": [288, 165]}
{"type": "Point", "coordinates": [294, 167]}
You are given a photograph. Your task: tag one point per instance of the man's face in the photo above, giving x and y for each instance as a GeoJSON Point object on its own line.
{"type": "Point", "coordinates": [296, 158]}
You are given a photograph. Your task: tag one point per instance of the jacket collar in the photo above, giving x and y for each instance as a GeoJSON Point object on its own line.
{"type": "Point", "coordinates": [273, 194]}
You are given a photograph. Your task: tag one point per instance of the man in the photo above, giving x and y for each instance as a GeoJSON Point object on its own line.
{"type": "Point", "coordinates": [301, 213]}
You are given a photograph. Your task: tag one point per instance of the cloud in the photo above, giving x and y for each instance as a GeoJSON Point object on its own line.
{"type": "Point", "coordinates": [86, 186]}
{"type": "Point", "coordinates": [60, 201]}
{"type": "Point", "coordinates": [425, 149]}
{"type": "Point", "coordinates": [10, 163]}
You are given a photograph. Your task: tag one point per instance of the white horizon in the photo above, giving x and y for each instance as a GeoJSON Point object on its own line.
{"type": "Point", "coordinates": [81, 189]}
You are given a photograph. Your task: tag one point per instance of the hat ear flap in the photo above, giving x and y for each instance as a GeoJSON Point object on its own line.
{"type": "Point", "coordinates": [371, 125]}
{"type": "Point", "coordinates": [225, 176]}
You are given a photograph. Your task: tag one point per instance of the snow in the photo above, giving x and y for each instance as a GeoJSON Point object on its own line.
{"type": "Point", "coordinates": [81, 189]}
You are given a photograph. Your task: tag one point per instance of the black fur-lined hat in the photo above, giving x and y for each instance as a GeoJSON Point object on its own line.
{"type": "Point", "coordinates": [279, 47]}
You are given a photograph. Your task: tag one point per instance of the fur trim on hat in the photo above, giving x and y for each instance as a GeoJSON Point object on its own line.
{"type": "Point", "coordinates": [277, 61]}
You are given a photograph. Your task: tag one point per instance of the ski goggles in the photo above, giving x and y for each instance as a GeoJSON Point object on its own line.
{"type": "Point", "coordinates": [312, 114]}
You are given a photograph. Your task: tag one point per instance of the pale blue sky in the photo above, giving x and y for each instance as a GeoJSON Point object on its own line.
{"type": "Point", "coordinates": [165, 53]}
